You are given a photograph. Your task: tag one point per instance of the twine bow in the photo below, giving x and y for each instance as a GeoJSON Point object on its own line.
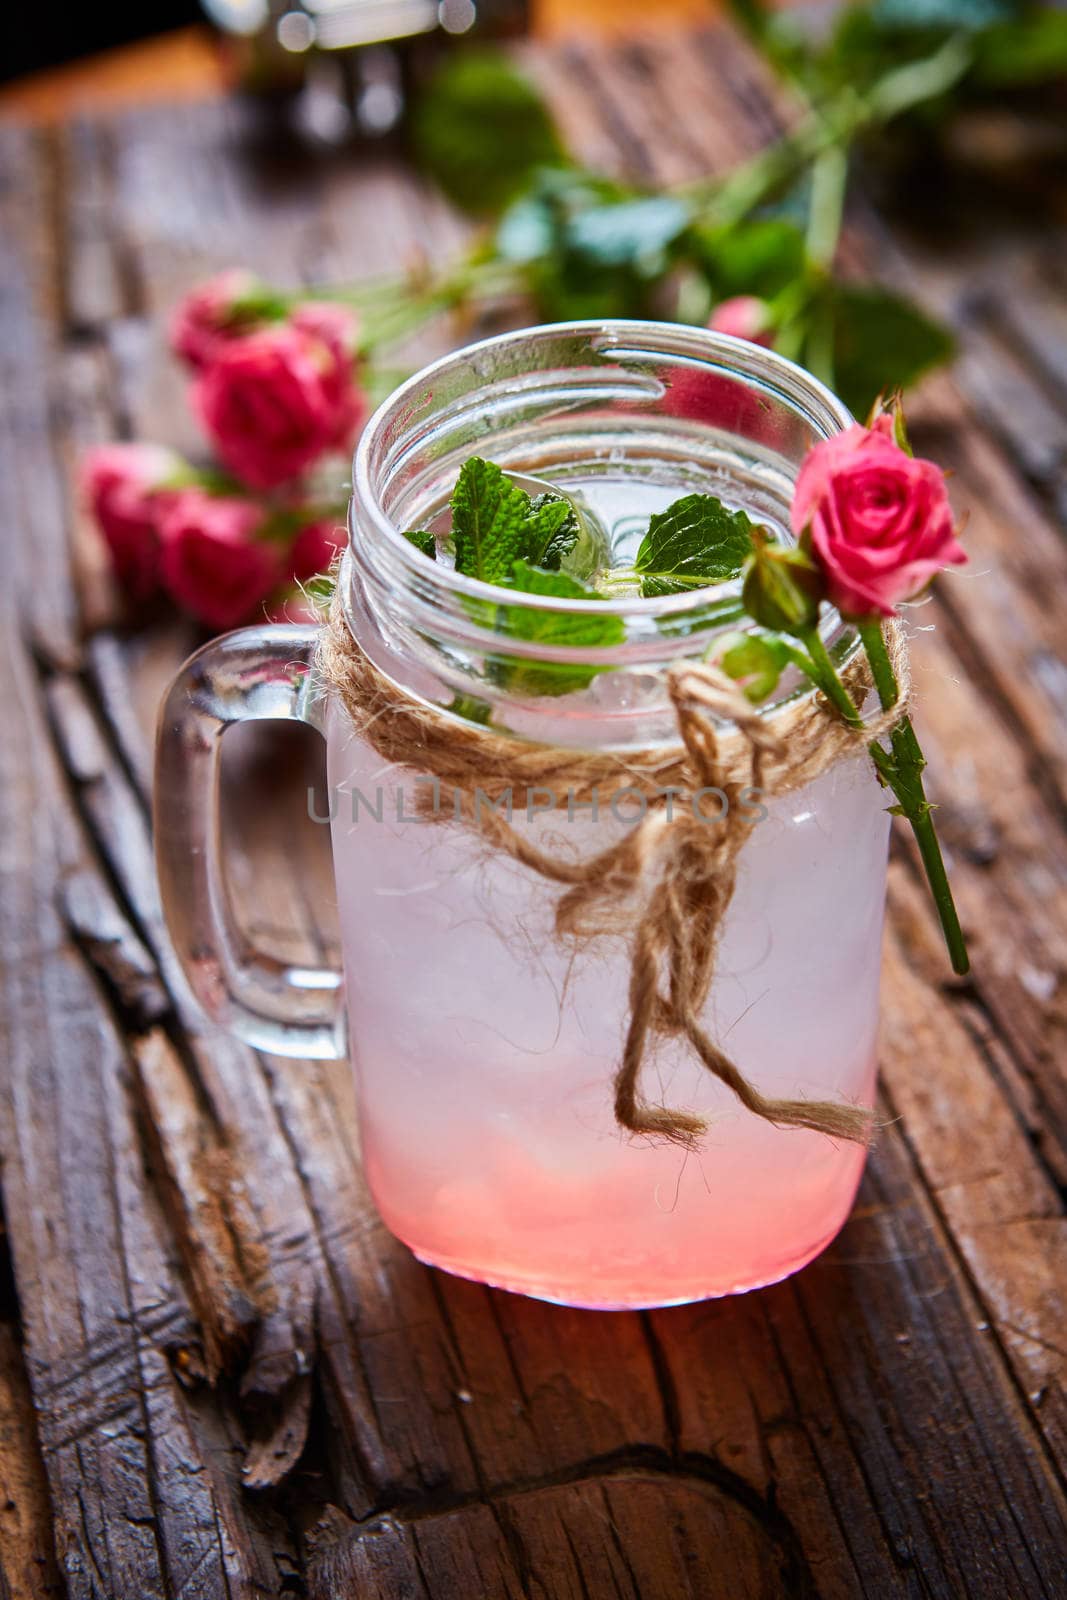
{"type": "Point", "coordinates": [668, 881]}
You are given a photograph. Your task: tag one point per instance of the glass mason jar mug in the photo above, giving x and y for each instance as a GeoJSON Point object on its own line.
{"type": "Point", "coordinates": [484, 1045]}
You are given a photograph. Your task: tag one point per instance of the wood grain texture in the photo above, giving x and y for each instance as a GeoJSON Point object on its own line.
{"type": "Point", "coordinates": [242, 1386]}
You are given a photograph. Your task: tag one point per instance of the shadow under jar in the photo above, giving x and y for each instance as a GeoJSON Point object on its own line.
{"type": "Point", "coordinates": [484, 1046]}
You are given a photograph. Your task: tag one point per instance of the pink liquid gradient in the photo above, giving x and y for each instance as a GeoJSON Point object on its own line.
{"type": "Point", "coordinates": [484, 1054]}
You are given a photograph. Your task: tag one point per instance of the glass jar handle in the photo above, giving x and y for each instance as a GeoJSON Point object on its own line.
{"type": "Point", "coordinates": [256, 674]}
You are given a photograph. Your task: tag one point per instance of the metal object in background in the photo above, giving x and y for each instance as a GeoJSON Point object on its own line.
{"type": "Point", "coordinates": [339, 68]}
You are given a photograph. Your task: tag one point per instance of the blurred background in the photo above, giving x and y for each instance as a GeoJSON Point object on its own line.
{"type": "Point", "coordinates": [115, 52]}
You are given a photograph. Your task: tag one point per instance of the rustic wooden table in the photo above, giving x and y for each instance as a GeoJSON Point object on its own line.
{"type": "Point", "coordinates": [219, 1375]}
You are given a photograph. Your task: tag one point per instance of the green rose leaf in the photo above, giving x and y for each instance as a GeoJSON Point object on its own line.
{"type": "Point", "coordinates": [969, 16]}
{"type": "Point", "coordinates": [635, 233]}
{"type": "Point", "coordinates": [589, 247]}
{"type": "Point", "coordinates": [760, 257]}
{"type": "Point", "coordinates": [695, 543]}
{"type": "Point", "coordinates": [1030, 51]}
{"type": "Point", "coordinates": [881, 342]}
{"type": "Point", "coordinates": [481, 130]}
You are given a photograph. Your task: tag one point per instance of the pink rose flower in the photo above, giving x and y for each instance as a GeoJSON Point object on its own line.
{"type": "Point", "coordinates": [338, 329]}
{"type": "Point", "coordinates": [125, 488]}
{"type": "Point", "coordinates": [879, 520]}
{"type": "Point", "coordinates": [314, 548]}
{"type": "Point", "coordinates": [212, 561]}
{"type": "Point", "coordinates": [199, 324]}
{"type": "Point", "coordinates": [275, 400]}
{"type": "Point", "coordinates": [743, 317]}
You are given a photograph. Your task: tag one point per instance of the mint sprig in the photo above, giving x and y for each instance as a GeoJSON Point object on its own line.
{"type": "Point", "coordinates": [496, 523]}
{"type": "Point", "coordinates": [489, 514]}
{"type": "Point", "coordinates": [507, 538]}
{"type": "Point", "coordinates": [552, 533]}
{"type": "Point", "coordinates": [575, 631]}
{"type": "Point", "coordinates": [423, 540]}
{"type": "Point", "coordinates": [694, 544]}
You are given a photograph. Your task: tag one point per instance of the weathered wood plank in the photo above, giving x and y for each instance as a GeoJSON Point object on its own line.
{"type": "Point", "coordinates": [632, 1532]}
{"type": "Point", "coordinates": [27, 1551]}
{"type": "Point", "coordinates": [33, 488]}
{"type": "Point", "coordinates": [98, 1299]}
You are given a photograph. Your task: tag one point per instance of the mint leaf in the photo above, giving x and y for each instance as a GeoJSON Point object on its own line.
{"type": "Point", "coordinates": [552, 628]}
{"type": "Point", "coordinates": [552, 531]}
{"type": "Point", "coordinates": [695, 543]}
{"type": "Point", "coordinates": [495, 522]}
{"type": "Point", "coordinates": [423, 540]}
{"type": "Point", "coordinates": [489, 516]}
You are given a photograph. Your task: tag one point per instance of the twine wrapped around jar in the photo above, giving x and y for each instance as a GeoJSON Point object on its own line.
{"type": "Point", "coordinates": [667, 883]}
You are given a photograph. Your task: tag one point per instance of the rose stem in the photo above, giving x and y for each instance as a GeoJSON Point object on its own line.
{"type": "Point", "coordinates": [826, 678]}
{"type": "Point", "coordinates": [904, 774]}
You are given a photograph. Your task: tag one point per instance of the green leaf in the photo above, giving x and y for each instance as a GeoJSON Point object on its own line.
{"type": "Point", "coordinates": [495, 522]}
{"type": "Point", "coordinates": [589, 247]}
{"type": "Point", "coordinates": [965, 16]}
{"type": "Point", "coordinates": [760, 257]}
{"type": "Point", "coordinates": [481, 130]}
{"type": "Point", "coordinates": [1032, 50]}
{"type": "Point", "coordinates": [895, 64]}
{"type": "Point", "coordinates": [753, 662]}
{"type": "Point", "coordinates": [635, 233]}
{"type": "Point", "coordinates": [552, 530]}
{"type": "Point", "coordinates": [559, 628]}
{"type": "Point", "coordinates": [489, 515]}
{"type": "Point", "coordinates": [423, 540]}
{"type": "Point", "coordinates": [881, 342]}
{"type": "Point", "coordinates": [695, 543]}
{"type": "Point", "coordinates": [533, 224]}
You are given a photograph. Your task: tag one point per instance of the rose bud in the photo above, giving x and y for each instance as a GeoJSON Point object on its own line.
{"type": "Point", "coordinates": [751, 661]}
{"type": "Point", "coordinates": [876, 519]}
{"type": "Point", "coordinates": [275, 400]}
{"type": "Point", "coordinates": [743, 317]}
{"type": "Point", "coordinates": [219, 309]}
{"type": "Point", "coordinates": [782, 588]}
{"type": "Point", "coordinates": [213, 561]}
{"type": "Point", "coordinates": [127, 488]}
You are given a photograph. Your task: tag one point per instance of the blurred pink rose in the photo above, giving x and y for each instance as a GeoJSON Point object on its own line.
{"type": "Point", "coordinates": [880, 521]}
{"type": "Point", "coordinates": [125, 488]}
{"type": "Point", "coordinates": [199, 324]}
{"type": "Point", "coordinates": [338, 329]}
{"type": "Point", "coordinates": [275, 400]}
{"type": "Point", "coordinates": [314, 549]}
{"type": "Point", "coordinates": [212, 562]}
{"type": "Point", "coordinates": [744, 317]}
